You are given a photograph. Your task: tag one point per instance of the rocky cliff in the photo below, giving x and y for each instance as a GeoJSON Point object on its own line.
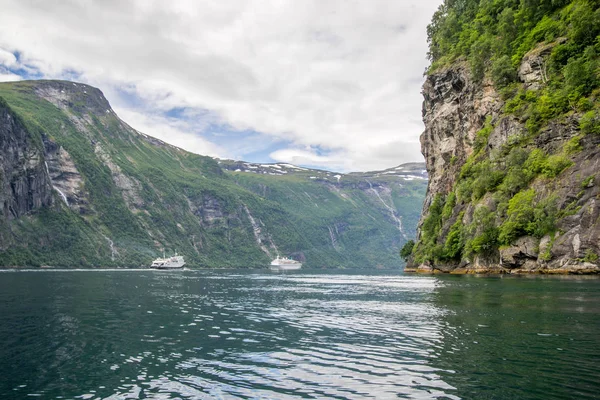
{"type": "Point", "coordinates": [80, 188]}
{"type": "Point", "coordinates": [513, 164]}
{"type": "Point", "coordinates": [25, 183]}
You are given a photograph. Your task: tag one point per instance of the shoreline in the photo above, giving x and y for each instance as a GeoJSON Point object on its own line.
{"type": "Point", "coordinates": [568, 270]}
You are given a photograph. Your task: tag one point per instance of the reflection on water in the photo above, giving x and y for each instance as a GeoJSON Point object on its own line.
{"type": "Point", "coordinates": [199, 334]}
{"type": "Point", "coordinates": [521, 337]}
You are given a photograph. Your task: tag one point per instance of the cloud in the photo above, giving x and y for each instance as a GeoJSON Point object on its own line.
{"type": "Point", "coordinates": [7, 58]}
{"type": "Point", "coordinates": [175, 132]}
{"type": "Point", "coordinates": [7, 61]}
{"type": "Point", "coordinates": [8, 77]}
{"type": "Point", "coordinates": [309, 157]}
{"type": "Point", "coordinates": [352, 157]}
{"type": "Point", "coordinates": [342, 76]}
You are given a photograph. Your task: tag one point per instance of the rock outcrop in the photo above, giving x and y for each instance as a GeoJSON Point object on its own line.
{"type": "Point", "coordinates": [65, 179]}
{"type": "Point", "coordinates": [455, 109]}
{"type": "Point", "coordinates": [25, 183]}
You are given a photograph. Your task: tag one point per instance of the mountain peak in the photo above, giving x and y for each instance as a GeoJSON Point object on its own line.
{"type": "Point", "coordinates": [78, 97]}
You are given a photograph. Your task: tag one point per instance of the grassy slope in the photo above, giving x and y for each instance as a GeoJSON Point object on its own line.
{"type": "Point", "coordinates": [168, 176]}
{"type": "Point", "coordinates": [366, 233]}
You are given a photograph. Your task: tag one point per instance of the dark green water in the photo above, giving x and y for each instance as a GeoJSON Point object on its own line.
{"type": "Point", "coordinates": [199, 334]}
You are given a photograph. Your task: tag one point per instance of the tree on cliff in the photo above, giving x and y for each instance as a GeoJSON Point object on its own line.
{"type": "Point", "coordinates": [523, 180]}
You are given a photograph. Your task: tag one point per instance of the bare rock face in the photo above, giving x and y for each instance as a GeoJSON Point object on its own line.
{"type": "Point", "coordinates": [65, 177]}
{"type": "Point", "coordinates": [524, 251]}
{"type": "Point", "coordinates": [25, 182]}
{"type": "Point", "coordinates": [210, 211]}
{"type": "Point", "coordinates": [454, 110]}
{"type": "Point", "coordinates": [533, 70]}
{"type": "Point", "coordinates": [129, 186]}
{"type": "Point", "coordinates": [78, 97]}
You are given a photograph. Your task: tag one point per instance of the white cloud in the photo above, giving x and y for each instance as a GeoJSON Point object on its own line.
{"type": "Point", "coordinates": [9, 77]}
{"type": "Point", "coordinates": [7, 58]}
{"type": "Point", "coordinates": [353, 157]}
{"type": "Point", "coordinates": [342, 75]}
{"type": "Point", "coordinates": [309, 157]}
{"type": "Point", "coordinates": [175, 132]}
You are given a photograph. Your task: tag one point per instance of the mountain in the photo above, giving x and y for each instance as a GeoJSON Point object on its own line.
{"type": "Point", "coordinates": [80, 188]}
{"type": "Point", "coordinates": [512, 138]}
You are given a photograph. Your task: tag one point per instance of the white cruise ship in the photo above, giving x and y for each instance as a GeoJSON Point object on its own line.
{"type": "Point", "coordinates": [174, 262]}
{"type": "Point", "coordinates": [285, 264]}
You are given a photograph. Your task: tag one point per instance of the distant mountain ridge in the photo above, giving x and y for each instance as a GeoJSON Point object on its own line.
{"type": "Point", "coordinates": [408, 171]}
{"type": "Point", "coordinates": [81, 188]}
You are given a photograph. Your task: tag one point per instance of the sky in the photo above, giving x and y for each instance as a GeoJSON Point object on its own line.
{"type": "Point", "coordinates": [331, 84]}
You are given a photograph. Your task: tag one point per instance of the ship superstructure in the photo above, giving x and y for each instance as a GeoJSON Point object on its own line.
{"type": "Point", "coordinates": [173, 262]}
{"type": "Point", "coordinates": [285, 264]}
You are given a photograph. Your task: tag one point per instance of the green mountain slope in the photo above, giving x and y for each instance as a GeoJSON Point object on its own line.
{"type": "Point", "coordinates": [354, 214]}
{"type": "Point", "coordinates": [79, 187]}
{"type": "Point", "coordinates": [512, 116]}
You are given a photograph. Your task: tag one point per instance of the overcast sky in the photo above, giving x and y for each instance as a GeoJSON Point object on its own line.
{"type": "Point", "coordinates": [322, 83]}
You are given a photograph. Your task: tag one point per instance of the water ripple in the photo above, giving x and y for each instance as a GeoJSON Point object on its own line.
{"type": "Point", "coordinates": [301, 336]}
{"type": "Point", "coordinates": [204, 335]}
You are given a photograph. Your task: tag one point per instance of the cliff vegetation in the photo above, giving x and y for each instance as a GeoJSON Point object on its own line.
{"type": "Point", "coordinates": [512, 117]}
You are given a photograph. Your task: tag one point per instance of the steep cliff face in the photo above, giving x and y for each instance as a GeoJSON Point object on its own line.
{"type": "Point", "coordinates": [454, 110]}
{"type": "Point", "coordinates": [513, 164]}
{"type": "Point", "coordinates": [82, 188]}
{"type": "Point", "coordinates": [25, 181]}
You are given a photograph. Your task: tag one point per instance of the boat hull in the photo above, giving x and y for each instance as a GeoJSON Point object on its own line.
{"type": "Point", "coordinates": [163, 267]}
{"type": "Point", "coordinates": [286, 267]}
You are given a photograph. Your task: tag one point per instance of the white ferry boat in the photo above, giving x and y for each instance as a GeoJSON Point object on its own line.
{"type": "Point", "coordinates": [285, 264]}
{"type": "Point", "coordinates": [174, 262]}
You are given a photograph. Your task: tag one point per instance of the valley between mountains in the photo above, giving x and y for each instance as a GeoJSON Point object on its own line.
{"type": "Point", "coordinates": [81, 188]}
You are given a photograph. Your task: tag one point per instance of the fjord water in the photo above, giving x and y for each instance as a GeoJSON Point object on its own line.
{"type": "Point", "coordinates": [230, 334]}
